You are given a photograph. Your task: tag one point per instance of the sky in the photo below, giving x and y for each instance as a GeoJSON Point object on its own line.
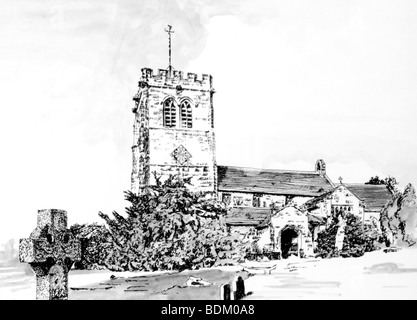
{"type": "Point", "coordinates": [295, 81]}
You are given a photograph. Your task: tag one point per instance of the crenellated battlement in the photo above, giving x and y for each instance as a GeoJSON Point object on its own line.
{"type": "Point", "coordinates": [161, 77]}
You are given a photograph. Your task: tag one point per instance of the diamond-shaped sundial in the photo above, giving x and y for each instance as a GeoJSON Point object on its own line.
{"type": "Point", "coordinates": [181, 155]}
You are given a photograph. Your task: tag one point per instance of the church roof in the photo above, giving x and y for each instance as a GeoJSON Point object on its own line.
{"type": "Point", "coordinates": [375, 197]}
{"type": "Point", "coordinates": [269, 181]}
{"type": "Point", "coordinates": [312, 203]}
{"type": "Point", "coordinates": [316, 219]}
{"type": "Point", "coordinates": [247, 216]}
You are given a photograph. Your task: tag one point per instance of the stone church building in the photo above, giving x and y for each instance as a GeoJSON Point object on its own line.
{"type": "Point", "coordinates": [173, 133]}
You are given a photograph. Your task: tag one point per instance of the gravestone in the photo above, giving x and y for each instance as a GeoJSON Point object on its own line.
{"type": "Point", "coordinates": [50, 250]}
{"type": "Point", "coordinates": [238, 288]}
{"type": "Point", "coordinates": [225, 293]}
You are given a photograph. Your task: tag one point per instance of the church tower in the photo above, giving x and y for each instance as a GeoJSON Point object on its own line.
{"type": "Point", "coordinates": [173, 130]}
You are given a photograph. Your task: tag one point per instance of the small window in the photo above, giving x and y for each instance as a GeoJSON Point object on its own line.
{"type": "Point", "coordinates": [227, 198]}
{"type": "Point", "coordinates": [170, 116]}
{"type": "Point", "coordinates": [237, 201]}
{"type": "Point", "coordinates": [256, 200]}
{"type": "Point", "coordinates": [186, 114]}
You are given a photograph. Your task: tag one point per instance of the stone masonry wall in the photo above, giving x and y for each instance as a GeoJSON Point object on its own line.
{"type": "Point", "coordinates": [140, 149]}
{"type": "Point", "coordinates": [200, 165]}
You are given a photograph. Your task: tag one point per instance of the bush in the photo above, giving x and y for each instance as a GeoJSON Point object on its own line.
{"type": "Point", "coordinates": [326, 242]}
{"type": "Point", "coordinates": [94, 240]}
{"type": "Point", "coordinates": [170, 228]}
{"type": "Point", "coordinates": [357, 240]}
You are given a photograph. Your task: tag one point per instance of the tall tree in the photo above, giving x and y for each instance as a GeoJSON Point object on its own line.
{"type": "Point", "coordinates": [399, 218]}
{"type": "Point", "coordinates": [375, 181]}
{"type": "Point", "coordinates": [389, 181]}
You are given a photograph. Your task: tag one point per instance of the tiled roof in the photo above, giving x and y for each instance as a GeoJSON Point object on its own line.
{"type": "Point", "coordinates": [315, 219]}
{"type": "Point", "coordinates": [312, 203]}
{"type": "Point", "coordinates": [375, 197]}
{"type": "Point", "coordinates": [247, 216]}
{"type": "Point", "coordinates": [267, 181]}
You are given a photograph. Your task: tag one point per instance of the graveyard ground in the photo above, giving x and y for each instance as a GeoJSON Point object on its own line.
{"type": "Point", "coordinates": [376, 275]}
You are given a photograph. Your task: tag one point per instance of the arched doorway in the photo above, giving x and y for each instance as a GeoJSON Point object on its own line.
{"type": "Point", "coordinates": [289, 241]}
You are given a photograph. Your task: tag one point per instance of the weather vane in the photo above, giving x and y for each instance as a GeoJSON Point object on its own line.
{"type": "Point", "coordinates": [169, 46]}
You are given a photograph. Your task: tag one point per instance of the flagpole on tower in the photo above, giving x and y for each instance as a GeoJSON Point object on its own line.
{"type": "Point", "coordinates": [169, 31]}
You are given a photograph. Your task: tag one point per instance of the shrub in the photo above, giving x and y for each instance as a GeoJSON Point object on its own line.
{"type": "Point", "coordinates": [358, 239]}
{"type": "Point", "coordinates": [94, 245]}
{"type": "Point", "coordinates": [170, 228]}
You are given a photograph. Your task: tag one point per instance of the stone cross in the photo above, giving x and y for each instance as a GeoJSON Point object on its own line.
{"type": "Point", "coordinates": [50, 250]}
{"type": "Point", "coordinates": [169, 31]}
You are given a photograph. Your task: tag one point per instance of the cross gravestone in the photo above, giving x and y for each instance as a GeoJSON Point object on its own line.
{"type": "Point", "coordinates": [50, 250]}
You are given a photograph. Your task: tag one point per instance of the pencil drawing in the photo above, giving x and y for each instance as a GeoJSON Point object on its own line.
{"type": "Point", "coordinates": [205, 218]}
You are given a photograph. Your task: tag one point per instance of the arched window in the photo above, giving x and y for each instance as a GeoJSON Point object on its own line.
{"type": "Point", "coordinates": [170, 116]}
{"type": "Point", "coordinates": [186, 114]}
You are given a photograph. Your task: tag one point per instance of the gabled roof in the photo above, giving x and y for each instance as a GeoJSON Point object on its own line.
{"type": "Point", "coordinates": [315, 219]}
{"type": "Point", "coordinates": [375, 197]}
{"type": "Point", "coordinates": [276, 182]}
{"type": "Point", "coordinates": [313, 202]}
{"type": "Point", "coordinates": [286, 207]}
{"type": "Point", "coordinates": [295, 208]}
{"type": "Point", "coordinates": [247, 216]}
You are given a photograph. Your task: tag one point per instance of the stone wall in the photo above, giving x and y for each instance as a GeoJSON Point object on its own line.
{"type": "Point", "coordinates": [247, 199]}
{"type": "Point", "coordinates": [291, 216]}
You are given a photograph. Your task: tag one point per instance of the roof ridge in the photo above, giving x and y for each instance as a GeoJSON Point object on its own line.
{"type": "Point", "coordinates": [252, 208]}
{"type": "Point", "coordinates": [359, 184]}
{"type": "Point", "coordinates": [271, 170]}
{"type": "Point", "coordinates": [290, 205]}
{"type": "Point", "coordinates": [364, 184]}
{"type": "Point", "coordinates": [329, 180]}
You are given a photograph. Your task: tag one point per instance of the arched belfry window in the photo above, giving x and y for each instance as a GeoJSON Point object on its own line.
{"type": "Point", "coordinates": [170, 117]}
{"type": "Point", "coordinates": [186, 114]}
